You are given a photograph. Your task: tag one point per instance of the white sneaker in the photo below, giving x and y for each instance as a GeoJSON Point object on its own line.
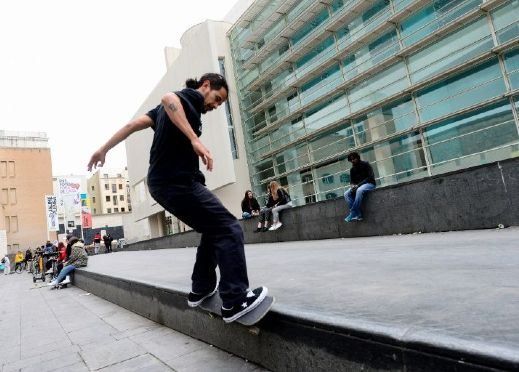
{"type": "Point", "coordinates": [66, 281]}
{"type": "Point", "coordinates": [276, 226]}
{"type": "Point", "coordinates": [52, 283]}
{"type": "Point", "coordinates": [50, 271]}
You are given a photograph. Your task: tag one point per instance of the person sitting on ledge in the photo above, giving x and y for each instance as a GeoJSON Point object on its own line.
{"type": "Point", "coordinates": [77, 258]}
{"type": "Point", "coordinates": [362, 179]}
{"type": "Point", "coordinates": [249, 206]}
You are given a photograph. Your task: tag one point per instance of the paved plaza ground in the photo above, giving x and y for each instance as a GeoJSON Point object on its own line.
{"type": "Point", "coordinates": [71, 330]}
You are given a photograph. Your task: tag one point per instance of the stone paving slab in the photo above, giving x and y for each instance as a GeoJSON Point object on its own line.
{"type": "Point", "coordinates": [73, 331]}
{"type": "Point", "coordinates": [458, 289]}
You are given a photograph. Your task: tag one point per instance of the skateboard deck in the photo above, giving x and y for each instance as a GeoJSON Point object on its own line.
{"type": "Point", "coordinates": [213, 304]}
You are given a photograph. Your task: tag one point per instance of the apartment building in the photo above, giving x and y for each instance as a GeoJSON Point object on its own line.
{"type": "Point", "coordinates": [23, 187]}
{"type": "Point", "coordinates": [109, 192]}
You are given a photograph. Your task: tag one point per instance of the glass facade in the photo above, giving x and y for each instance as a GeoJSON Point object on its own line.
{"type": "Point", "coordinates": [418, 88]}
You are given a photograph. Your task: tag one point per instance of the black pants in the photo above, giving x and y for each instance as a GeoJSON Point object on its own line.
{"type": "Point", "coordinates": [222, 238]}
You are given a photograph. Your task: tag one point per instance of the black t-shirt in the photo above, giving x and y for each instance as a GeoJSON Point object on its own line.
{"type": "Point", "coordinates": [362, 173]}
{"type": "Point", "coordinates": [172, 158]}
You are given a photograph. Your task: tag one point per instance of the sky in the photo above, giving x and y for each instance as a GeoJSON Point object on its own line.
{"type": "Point", "coordinates": [79, 70]}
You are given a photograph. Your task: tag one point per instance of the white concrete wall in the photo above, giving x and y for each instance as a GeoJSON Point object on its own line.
{"type": "Point", "coordinates": [201, 46]}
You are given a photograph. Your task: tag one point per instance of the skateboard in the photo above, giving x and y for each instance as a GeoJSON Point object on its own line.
{"type": "Point", "coordinates": [213, 304]}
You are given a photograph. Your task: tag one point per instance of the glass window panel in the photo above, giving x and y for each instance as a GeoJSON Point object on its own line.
{"type": "Point", "coordinates": [377, 51]}
{"type": "Point", "coordinates": [378, 87]}
{"type": "Point", "coordinates": [326, 114]}
{"type": "Point", "coordinates": [296, 157]}
{"type": "Point", "coordinates": [321, 85]}
{"type": "Point", "coordinates": [458, 142]}
{"type": "Point", "coordinates": [506, 21]}
{"type": "Point", "coordinates": [316, 52]}
{"type": "Point", "coordinates": [401, 4]}
{"type": "Point", "coordinates": [512, 67]}
{"type": "Point", "coordinates": [385, 120]}
{"type": "Point", "coordinates": [400, 159]}
{"type": "Point", "coordinates": [454, 94]}
{"type": "Point", "coordinates": [433, 17]}
{"type": "Point", "coordinates": [453, 50]}
{"type": "Point", "coordinates": [328, 179]}
{"type": "Point", "coordinates": [310, 26]}
{"type": "Point", "coordinates": [330, 144]}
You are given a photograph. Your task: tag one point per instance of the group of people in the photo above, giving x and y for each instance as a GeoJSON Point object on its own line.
{"type": "Point", "coordinates": [107, 240]}
{"type": "Point", "coordinates": [278, 200]}
{"type": "Point", "coordinates": [362, 180]}
{"type": "Point", "coordinates": [67, 257]}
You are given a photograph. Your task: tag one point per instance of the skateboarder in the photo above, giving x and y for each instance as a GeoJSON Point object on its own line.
{"type": "Point", "coordinates": [176, 183]}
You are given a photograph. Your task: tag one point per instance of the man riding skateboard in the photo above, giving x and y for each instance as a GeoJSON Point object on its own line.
{"type": "Point", "coordinates": [177, 184]}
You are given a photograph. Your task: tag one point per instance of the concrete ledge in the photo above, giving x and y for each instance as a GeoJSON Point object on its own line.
{"type": "Point", "coordinates": [286, 341]}
{"type": "Point", "coordinates": [475, 198]}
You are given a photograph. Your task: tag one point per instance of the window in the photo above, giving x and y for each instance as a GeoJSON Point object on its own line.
{"type": "Point", "coordinates": [114, 188]}
{"type": "Point", "coordinates": [93, 199]}
{"type": "Point", "coordinates": [114, 200]}
{"type": "Point", "coordinates": [107, 187]}
{"type": "Point", "coordinates": [16, 247]}
{"type": "Point", "coordinates": [107, 198]}
{"type": "Point", "coordinates": [95, 211]}
{"type": "Point", "coordinates": [458, 142]}
{"type": "Point", "coordinates": [327, 179]}
{"type": "Point", "coordinates": [123, 210]}
{"type": "Point", "coordinates": [116, 210]}
{"type": "Point", "coordinates": [121, 197]}
{"type": "Point", "coordinates": [3, 169]}
{"type": "Point", "coordinates": [228, 114]}
{"type": "Point", "coordinates": [4, 197]}
{"type": "Point", "coordinates": [11, 169]}
{"type": "Point", "coordinates": [12, 196]}
{"type": "Point", "coordinates": [93, 188]}
{"type": "Point", "coordinates": [456, 93]}
{"type": "Point", "coordinates": [120, 186]}
{"type": "Point", "coordinates": [7, 224]}
{"type": "Point", "coordinates": [14, 224]}
{"type": "Point", "coordinates": [109, 210]}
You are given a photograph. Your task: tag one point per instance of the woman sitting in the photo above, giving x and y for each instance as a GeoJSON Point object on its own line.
{"type": "Point", "coordinates": [281, 200]}
{"type": "Point", "coordinates": [249, 206]}
{"type": "Point", "coordinates": [77, 258]}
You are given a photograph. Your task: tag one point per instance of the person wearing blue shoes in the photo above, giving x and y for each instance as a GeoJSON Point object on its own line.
{"type": "Point", "coordinates": [362, 180]}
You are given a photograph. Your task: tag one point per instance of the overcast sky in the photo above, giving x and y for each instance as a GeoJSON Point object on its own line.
{"type": "Point", "coordinates": [79, 70]}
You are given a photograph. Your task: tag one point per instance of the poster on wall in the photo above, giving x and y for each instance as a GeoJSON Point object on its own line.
{"type": "Point", "coordinates": [69, 198]}
{"type": "Point", "coordinates": [51, 208]}
{"type": "Point", "coordinates": [86, 212]}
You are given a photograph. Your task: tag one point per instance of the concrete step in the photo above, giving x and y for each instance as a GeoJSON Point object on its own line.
{"type": "Point", "coordinates": [445, 308]}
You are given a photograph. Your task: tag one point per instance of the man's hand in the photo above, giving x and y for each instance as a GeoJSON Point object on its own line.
{"type": "Point", "coordinates": [203, 152]}
{"type": "Point", "coordinates": [354, 187]}
{"type": "Point", "coordinates": [97, 160]}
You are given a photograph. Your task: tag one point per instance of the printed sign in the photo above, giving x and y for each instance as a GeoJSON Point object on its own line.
{"type": "Point", "coordinates": [51, 207]}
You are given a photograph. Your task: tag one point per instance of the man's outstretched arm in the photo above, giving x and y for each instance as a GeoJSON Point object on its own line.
{"type": "Point", "coordinates": [140, 123]}
{"type": "Point", "coordinates": [176, 114]}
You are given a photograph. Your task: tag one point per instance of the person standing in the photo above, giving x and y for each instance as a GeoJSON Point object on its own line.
{"type": "Point", "coordinates": [7, 265]}
{"type": "Point", "coordinates": [97, 242]}
{"type": "Point", "coordinates": [177, 184]}
{"type": "Point", "coordinates": [28, 259]}
{"type": "Point", "coordinates": [108, 243]}
{"type": "Point", "coordinates": [362, 180]}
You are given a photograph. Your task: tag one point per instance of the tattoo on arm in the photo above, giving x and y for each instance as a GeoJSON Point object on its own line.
{"type": "Point", "coordinates": [172, 107]}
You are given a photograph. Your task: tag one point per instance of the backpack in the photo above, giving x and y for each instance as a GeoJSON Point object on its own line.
{"type": "Point", "coordinates": [286, 195]}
